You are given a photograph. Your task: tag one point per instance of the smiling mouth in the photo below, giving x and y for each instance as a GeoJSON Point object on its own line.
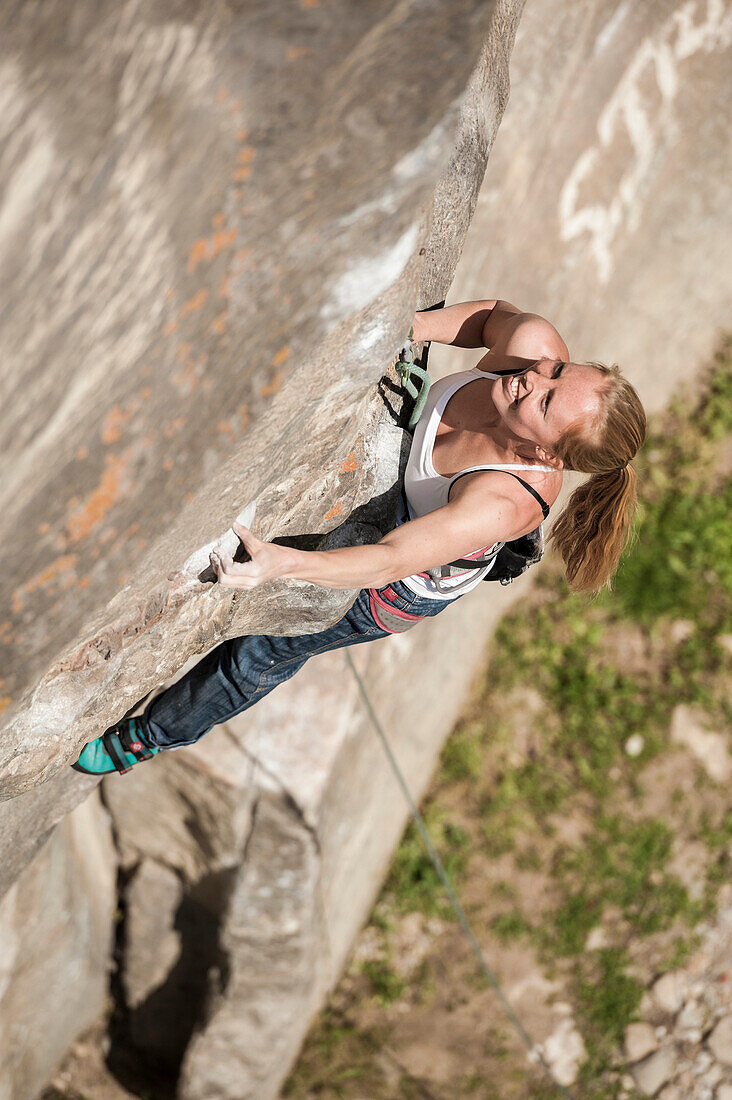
{"type": "Point", "coordinates": [513, 388]}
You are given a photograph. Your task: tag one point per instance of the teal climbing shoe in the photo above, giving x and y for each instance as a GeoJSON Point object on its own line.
{"type": "Point", "coordinates": [117, 750]}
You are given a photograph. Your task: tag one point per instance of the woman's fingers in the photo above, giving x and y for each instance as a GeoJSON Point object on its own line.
{"type": "Point", "coordinates": [231, 574]}
{"type": "Point", "coordinates": [266, 564]}
{"type": "Point", "coordinates": [250, 541]}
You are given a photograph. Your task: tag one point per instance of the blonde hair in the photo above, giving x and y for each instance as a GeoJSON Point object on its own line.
{"type": "Point", "coordinates": [594, 528]}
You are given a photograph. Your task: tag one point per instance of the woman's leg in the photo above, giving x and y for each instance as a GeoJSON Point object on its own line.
{"type": "Point", "coordinates": [234, 676]}
{"type": "Point", "coordinates": [240, 672]}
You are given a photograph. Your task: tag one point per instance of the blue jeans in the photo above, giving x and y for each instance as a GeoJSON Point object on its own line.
{"type": "Point", "coordinates": [241, 671]}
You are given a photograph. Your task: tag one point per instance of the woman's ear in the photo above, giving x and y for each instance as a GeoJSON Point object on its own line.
{"type": "Point", "coordinates": [547, 458]}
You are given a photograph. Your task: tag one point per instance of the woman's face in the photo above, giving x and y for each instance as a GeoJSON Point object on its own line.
{"type": "Point", "coordinates": [541, 402]}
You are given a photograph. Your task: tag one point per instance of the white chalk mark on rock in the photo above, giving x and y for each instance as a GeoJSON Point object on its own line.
{"type": "Point", "coordinates": [368, 278]}
{"type": "Point", "coordinates": [650, 130]}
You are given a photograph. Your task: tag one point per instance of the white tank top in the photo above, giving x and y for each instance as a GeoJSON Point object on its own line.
{"type": "Point", "coordinates": [426, 490]}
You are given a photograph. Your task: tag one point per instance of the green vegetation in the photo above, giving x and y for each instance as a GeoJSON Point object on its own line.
{"type": "Point", "coordinates": [541, 776]}
{"type": "Point", "coordinates": [386, 984]}
{"type": "Point", "coordinates": [413, 883]}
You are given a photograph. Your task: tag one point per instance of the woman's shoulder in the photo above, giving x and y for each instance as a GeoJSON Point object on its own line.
{"type": "Point", "coordinates": [528, 336]}
{"type": "Point", "coordinates": [507, 479]}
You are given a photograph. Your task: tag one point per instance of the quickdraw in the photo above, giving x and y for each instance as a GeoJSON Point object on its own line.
{"type": "Point", "coordinates": [406, 367]}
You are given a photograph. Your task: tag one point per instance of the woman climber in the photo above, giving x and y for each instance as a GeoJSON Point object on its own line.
{"type": "Point", "coordinates": [524, 407]}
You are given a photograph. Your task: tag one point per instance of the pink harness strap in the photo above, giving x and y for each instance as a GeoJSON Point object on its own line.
{"type": "Point", "coordinates": [386, 615]}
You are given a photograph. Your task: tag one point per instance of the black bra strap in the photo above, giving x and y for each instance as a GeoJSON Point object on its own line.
{"type": "Point", "coordinates": [540, 499]}
{"type": "Point", "coordinates": [535, 495]}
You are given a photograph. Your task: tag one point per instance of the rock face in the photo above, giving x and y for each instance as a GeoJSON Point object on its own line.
{"type": "Point", "coordinates": [206, 348]}
{"type": "Point", "coordinates": [605, 207]}
{"type": "Point", "coordinates": [223, 237]}
{"type": "Point", "coordinates": [211, 258]}
{"type": "Point", "coordinates": [56, 936]}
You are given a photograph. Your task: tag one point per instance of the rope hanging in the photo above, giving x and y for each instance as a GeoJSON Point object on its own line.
{"type": "Point", "coordinates": [533, 1048]}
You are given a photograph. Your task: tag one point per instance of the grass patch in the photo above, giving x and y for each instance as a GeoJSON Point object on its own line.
{"type": "Point", "coordinates": [386, 985]}
{"type": "Point", "coordinates": [462, 757]}
{"type": "Point", "coordinates": [607, 998]}
{"type": "Point", "coordinates": [413, 883]}
{"type": "Point", "coordinates": [620, 864]}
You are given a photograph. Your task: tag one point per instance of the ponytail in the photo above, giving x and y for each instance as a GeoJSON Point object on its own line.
{"type": "Point", "coordinates": [594, 528]}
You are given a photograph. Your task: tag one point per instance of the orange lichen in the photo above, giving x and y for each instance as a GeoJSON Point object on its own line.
{"type": "Point", "coordinates": [197, 253]}
{"type": "Point", "coordinates": [113, 423]}
{"type": "Point", "coordinates": [219, 325]}
{"type": "Point", "coordinates": [218, 220]}
{"type": "Point", "coordinates": [135, 526]}
{"type": "Point", "coordinates": [246, 155]}
{"type": "Point", "coordinates": [60, 571]}
{"type": "Point", "coordinates": [174, 426]}
{"type": "Point", "coordinates": [293, 52]}
{"type": "Point", "coordinates": [170, 294]}
{"type": "Point", "coordinates": [349, 464]}
{"type": "Point", "coordinates": [113, 485]}
{"type": "Point", "coordinates": [242, 255]}
{"type": "Point", "coordinates": [222, 95]}
{"type": "Point", "coordinates": [243, 173]}
{"type": "Point", "coordinates": [224, 289]}
{"type": "Point", "coordinates": [221, 238]}
{"type": "Point", "coordinates": [188, 380]}
{"type": "Point", "coordinates": [168, 464]}
{"type": "Point", "coordinates": [235, 106]}
{"type": "Point", "coordinates": [43, 528]}
{"type": "Point", "coordinates": [6, 630]}
{"type": "Point", "coordinates": [83, 582]}
{"type": "Point", "coordinates": [5, 702]}
{"type": "Point", "coordinates": [274, 386]}
{"type": "Point", "coordinates": [184, 350]}
{"type": "Point", "coordinates": [170, 328]}
{"type": "Point", "coordinates": [281, 356]}
{"type": "Point", "coordinates": [51, 572]}
{"type": "Point", "coordinates": [82, 452]}
{"type": "Point", "coordinates": [244, 417]}
{"type": "Point", "coordinates": [193, 303]}
{"type": "Point", "coordinates": [225, 426]}
{"type": "Point", "coordinates": [334, 511]}
{"type": "Point", "coordinates": [242, 134]}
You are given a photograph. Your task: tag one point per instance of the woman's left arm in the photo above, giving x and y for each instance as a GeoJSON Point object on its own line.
{"type": "Point", "coordinates": [479, 516]}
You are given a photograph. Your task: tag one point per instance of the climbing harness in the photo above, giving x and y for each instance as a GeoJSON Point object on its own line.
{"type": "Point", "coordinates": [387, 614]}
{"type": "Point", "coordinates": [535, 1052]}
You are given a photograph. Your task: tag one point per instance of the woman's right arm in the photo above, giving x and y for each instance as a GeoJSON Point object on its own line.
{"type": "Point", "coordinates": [483, 512]}
{"type": "Point", "coordinates": [465, 325]}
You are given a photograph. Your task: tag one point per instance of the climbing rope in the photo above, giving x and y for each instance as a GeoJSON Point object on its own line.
{"type": "Point", "coordinates": [533, 1048]}
{"type": "Point", "coordinates": [406, 367]}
